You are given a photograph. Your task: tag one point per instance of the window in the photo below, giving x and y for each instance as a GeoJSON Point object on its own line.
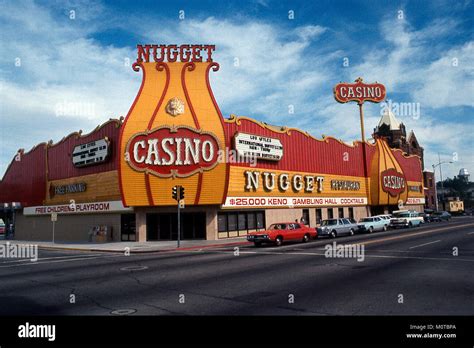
{"type": "Point", "coordinates": [232, 222]}
{"type": "Point", "coordinates": [319, 215]}
{"type": "Point", "coordinates": [305, 217]}
{"type": "Point", "coordinates": [351, 213]}
{"type": "Point", "coordinates": [242, 221]}
{"type": "Point", "coordinates": [330, 213]}
{"type": "Point", "coordinates": [340, 212]}
{"type": "Point", "coordinates": [430, 182]}
{"type": "Point", "coordinates": [251, 223]}
{"type": "Point", "coordinates": [222, 222]}
{"type": "Point", "coordinates": [260, 219]}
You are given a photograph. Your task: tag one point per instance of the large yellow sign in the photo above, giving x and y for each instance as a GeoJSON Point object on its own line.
{"type": "Point", "coordinates": [171, 136]}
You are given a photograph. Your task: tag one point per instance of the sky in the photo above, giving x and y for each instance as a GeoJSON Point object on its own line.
{"type": "Point", "coordinates": [66, 65]}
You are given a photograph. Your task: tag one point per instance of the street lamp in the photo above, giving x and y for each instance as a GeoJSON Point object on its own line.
{"type": "Point", "coordinates": [441, 177]}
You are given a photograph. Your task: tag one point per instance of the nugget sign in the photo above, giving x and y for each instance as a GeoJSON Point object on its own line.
{"type": "Point", "coordinates": [393, 182]}
{"type": "Point", "coordinates": [359, 92]}
{"type": "Point", "coordinates": [172, 151]}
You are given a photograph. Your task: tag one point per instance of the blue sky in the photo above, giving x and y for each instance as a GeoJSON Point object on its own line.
{"type": "Point", "coordinates": [423, 51]}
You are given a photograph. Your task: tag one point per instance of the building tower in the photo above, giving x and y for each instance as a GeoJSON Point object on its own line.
{"type": "Point", "coordinates": [394, 132]}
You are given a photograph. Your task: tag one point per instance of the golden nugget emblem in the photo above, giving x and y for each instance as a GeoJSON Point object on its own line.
{"type": "Point", "coordinates": [175, 106]}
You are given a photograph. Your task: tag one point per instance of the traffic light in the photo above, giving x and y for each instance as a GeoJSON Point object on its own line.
{"type": "Point", "coordinates": [181, 193]}
{"type": "Point", "coordinates": [175, 193]}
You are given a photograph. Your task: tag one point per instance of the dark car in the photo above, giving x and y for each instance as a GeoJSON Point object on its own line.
{"type": "Point", "coordinates": [440, 216]}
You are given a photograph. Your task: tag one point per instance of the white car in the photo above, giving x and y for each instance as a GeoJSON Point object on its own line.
{"type": "Point", "coordinates": [407, 219]}
{"type": "Point", "coordinates": [387, 217]}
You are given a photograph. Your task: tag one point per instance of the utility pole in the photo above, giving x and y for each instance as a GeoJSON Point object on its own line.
{"type": "Point", "coordinates": [436, 189]}
{"type": "Point", "coordinates": [439, 164]}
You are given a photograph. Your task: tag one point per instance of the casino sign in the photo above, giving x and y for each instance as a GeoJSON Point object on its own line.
{"type": "Point", "coordinates": [173, 151]}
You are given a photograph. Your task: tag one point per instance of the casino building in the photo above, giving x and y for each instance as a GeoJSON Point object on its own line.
{"type": "Point", "coordinates": [239, 174]}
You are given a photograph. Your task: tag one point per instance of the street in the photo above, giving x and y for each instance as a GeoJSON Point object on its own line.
{"type": "Point", "coordinates": [404, 272]}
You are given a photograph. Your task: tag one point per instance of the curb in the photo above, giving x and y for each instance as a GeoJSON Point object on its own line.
{"type": "Point", "coordinates": [146, 251]}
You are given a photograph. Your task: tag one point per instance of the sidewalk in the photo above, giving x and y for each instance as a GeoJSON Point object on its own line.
{"type": "Point", "coordinates": [134, 247]}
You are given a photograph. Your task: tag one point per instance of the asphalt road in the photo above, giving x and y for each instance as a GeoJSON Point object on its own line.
{"type": "Point", "coordinates": [404, 272]}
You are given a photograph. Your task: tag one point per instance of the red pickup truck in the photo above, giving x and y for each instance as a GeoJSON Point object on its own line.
{"type": "Point", "coordinates": [283, 231]}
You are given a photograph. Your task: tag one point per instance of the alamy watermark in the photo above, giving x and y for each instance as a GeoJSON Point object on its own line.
{"type": "Point", "coordinates": [409, 109]}
{"type": "Point", "coordinates": [69, 108]}
{"type": "Point", "coordinates": [346, 251]}
{"type": "Point", "coordinates": [19, 251]}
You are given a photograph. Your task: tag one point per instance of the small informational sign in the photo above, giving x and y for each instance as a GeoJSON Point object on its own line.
{"type": "Point", "coordinates": [54, 217]}
{"type": "Point", "coordinates": [415, 200]}
{"type": "Point", "coordinates": [67, 189]}
{"type": "Point", "coordinates": [264, 202]}
{"type": "Point", "coordinates": [91, 153]}
{"type": "Point", "coordinates": [78, 208]}
{"type": "Point", "coordinates": [181, 204]}
{"type": "Point", "coordinates": [257, 146]}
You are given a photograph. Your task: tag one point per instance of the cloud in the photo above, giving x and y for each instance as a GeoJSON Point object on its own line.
{"type": "Point", "coordinates": [449, 81]}
{"type": "Point", "coordinates": [267, 71]}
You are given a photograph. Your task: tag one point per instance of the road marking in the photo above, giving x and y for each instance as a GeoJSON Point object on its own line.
{"type": "Point", "coordinates": [50, 258]}
{"type": "Point", "coordinates": [413, 234]}
{"type": "Point", "coordinates": [56, 261]}
{"type": "Point", "coordinates": [319, 254]}
{"type": "Point", "coordinates": [417, 246]}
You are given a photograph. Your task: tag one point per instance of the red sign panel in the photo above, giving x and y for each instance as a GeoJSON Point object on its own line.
{"type": "Point", "coordinates": [393, 182]}
{"type": "Point", "coordinates": [179, 151]}
{"type": "Point", "coordinates": [359, 92]}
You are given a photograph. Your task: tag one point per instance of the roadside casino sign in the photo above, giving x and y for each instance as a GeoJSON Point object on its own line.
{"type": "Point", "coordinates": [359, 92]}
{"type": "Point", "coordinates": [393, 182]}
{"type": "Point", "coordinates": [91, 153]}
{"type": "Point", "coordinates": [173, 151]}
{"type": "Point", "coordinates": [259, 147]}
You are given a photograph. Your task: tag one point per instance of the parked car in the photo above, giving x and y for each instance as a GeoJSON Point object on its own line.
{"type": "Point", "coordinates": [372, 223]}
{"type": "Point", "coordinates": [284, 231]}
{"type": "Point", "coordinates": [441, 215]}
{"type": "Point", "coordinates": [406, 219]}
{"type": "Point", "coordinates": [2, 229]}
{"type": "Point", "coordinates": [428, 215]}
{"type": "Point", "coordinates": [387, 217]}
{"type": "Point", "coordinates": [336, 227]}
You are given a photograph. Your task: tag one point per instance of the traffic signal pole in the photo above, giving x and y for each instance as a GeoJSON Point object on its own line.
{"type": "Point", "coordinates": [177, 193]}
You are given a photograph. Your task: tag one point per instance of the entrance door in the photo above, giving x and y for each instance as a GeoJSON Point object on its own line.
{"type": "Point", "coordinates": [128, 227]}
{"type": "Point", "coordinates": [165, 226]}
